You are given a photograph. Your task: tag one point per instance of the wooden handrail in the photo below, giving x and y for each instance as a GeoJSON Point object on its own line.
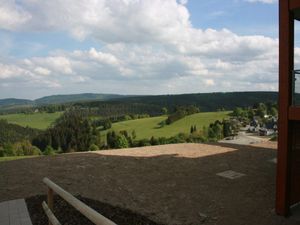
{"type": "Point", "coordinates": [87, 211]}
{"type": "Point", "coordinates": [52, 219]}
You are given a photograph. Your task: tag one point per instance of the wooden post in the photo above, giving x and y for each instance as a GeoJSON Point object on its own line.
{"type": "Point", "coordinates": [286, 66]}
{"type": "Point", "coordinates": [50, 201]}
{"type": "Point", "coordinates": [87, 211]}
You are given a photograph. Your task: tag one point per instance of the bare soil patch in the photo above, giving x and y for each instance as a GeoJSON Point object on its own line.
{"type": "Point", "coordinates": [171, 184]}
{"type": "Point", "coordinates": [67, 215]}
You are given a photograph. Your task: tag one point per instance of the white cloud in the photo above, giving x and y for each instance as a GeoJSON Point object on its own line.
{"type": "Point", "coordinates": [58, 64]}
{"type": "Point", "coordinates": [9, 71]}
{"type": "Point", "coordinates": [263, 1]}
{"type": "Point", "coordinates": [42, 71]}
{"type": "Point", "coordinates": [149, 46]}
{"type": "Point", "coordinates": [11, 15]}
{"type": "Point", "coordinates": [183, 2]}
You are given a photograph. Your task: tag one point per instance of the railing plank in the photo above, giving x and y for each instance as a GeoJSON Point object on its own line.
{"type": "Point", "coordinates": [52, 219]}
{"type": "Point", "coordinates": [87, 211]}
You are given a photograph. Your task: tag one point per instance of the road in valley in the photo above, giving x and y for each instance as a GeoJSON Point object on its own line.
{"type": "Point", "coordinates": [244, 138]}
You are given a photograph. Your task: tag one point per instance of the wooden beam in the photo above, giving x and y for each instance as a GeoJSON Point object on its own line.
{"type": "Point", "coordinates": [51, 217]}
{"type": "Point", "coordinates": [286, 65]}
{"type": "Point", "coordinates": [50, 201]}
{"type": "Point", "coordinates": [294, 113]}
{"type": "Point", "coordinates": [294, 4]}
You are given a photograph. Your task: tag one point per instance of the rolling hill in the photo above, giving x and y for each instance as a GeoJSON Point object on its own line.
{"type": "Point", "coordinates": [59, 99]}
{"type": "Point", "coordinates": [36, 120]}
{"type": "Point", "coordinates": [14, 102]}
{"type": "Point", "coordinates": [151, 104]}
{"type": "Point", "coordinates": [11, 104]}
{"type": "Point", "coordinates": [148, 127]}
{"type": "Point", "coordinates": [207, 102]}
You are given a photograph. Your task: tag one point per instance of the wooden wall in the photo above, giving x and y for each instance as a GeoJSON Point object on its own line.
{"type": "Point", "coordinates": [295, 163]}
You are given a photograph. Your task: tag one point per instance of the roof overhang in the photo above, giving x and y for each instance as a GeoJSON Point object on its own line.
{"type": "Point", "coordinates": [295, 7]}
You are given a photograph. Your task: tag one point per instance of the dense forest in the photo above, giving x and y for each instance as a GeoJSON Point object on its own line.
{"type": "Point", "coordinates": [153, 105]}
{"type": "Point", "coordinates": [10, 133]}
{"type": "Point", "coordinates": [117, 105]}
{"type": "Point", "coordinates": [16, 140]}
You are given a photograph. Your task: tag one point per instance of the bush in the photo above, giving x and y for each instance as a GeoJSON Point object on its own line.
{"type": "Point", "coordinates": [176, 116]}
{"type": "Point", "coordinates": [163, 141]}
{"type": "Point", "coordinates": [107, 124]}
{"type": "Point", "coordinates": [93, 147]}
{"type": "Point", "coordinates": [36, 151]}
{"type": "Point", "coordinates": [180, 138]}
{"type": "Point", "coordinates": [274, 138]}
{"type": "Point", "coordinates": [49, 151]}
{"type": "Point", "coordinates": [121, 142]}
{"type": "Point", "coordinates": [8, 150]}
{"type": "Point", "coordinates": [143, 142]}
{"type": "Point", "coordinates": [2, 154]}
{"type": "Point", "coordinates": [25, 148]}
{"type": "Point", "coordinates": [154, 141]}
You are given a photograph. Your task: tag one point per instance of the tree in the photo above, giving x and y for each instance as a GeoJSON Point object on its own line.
{"type": "Point", "coordinates": [261, 110]}
{"type": "Point", "coordinates": [107, 124]}
{"type": "Point", "coordinates": [227, 129]}
{"type": "Point", "coordinates": [111, 139]}
{"type": "Point", "coordinates": [215, 131]}
{"type": "Point", "coordinates": [121, 142]}
{"type": "Point", "coordinates": [49, 150]}
{"type": "Point", "coordinates": [133, 134]}
{"type": "Point", "coordinates": [273, 111]}
{"type": "Point", "coordinates": [237, 112]}
{"type": "Point", "coordinates": [93, 147]}
{"type": "Point", "coordinates": [154, 141]}
{"type": "Point", "coordinates": [164, 111]}
{"type": "Point", "coordinates": [71, 132]}
{"type": "Point", "coordinates": [192, 130]}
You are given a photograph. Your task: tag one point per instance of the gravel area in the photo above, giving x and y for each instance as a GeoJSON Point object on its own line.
{"type": "Point", "coordinates": [171, 184]}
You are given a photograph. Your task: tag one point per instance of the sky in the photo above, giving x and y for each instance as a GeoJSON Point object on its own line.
{"type": "Point", "coordinates": [144, 47]}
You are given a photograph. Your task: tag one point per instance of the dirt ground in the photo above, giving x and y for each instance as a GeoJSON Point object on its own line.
{"type": "Point", "coordinates": [170, 184]}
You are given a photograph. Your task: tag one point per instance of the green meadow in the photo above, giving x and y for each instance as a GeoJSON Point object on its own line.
{"type": "Point", "coordinates": [35, 120]}
{"type": "Point", "coordinates": [11, 158]}
{"type": "Point", "coordinates": [148, 127]}
{"type": "Point", "coordinates": [144, 128]}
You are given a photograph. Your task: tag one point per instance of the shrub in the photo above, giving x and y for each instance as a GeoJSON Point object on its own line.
{"type": "Point", "coordinates": [93, 147]}
{"type": "Point", "coordinates": [107, 124]}
{"type": "Point", "coordinates": [121, 142]}
{"type": "Point", "coordinates": [35, 151]}
{"type": "Point", "coordinates": [25, 148]}
{"type": "Point", "coordinates": [8, 150]}
{"type": "Point", "coordinates": [49, 150]}
{"type": "Point", "coordinates": [143, 142]}
{"type": "Point", "coordinates": [154, 141]}
{"type": "Point", "coordinates": [274, 138]}
{"type": "Point", "coordinates": [163, 140]}
{"type": "Point", "coordinates": [2, 154]}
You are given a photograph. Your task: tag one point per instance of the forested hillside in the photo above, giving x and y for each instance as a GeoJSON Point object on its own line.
{"type": "Point", "coordinates": [152, 105]}
{"type": "Point", "coordinates": [207, 101]}
{"type": "Point", "coordinates": [11, 133]}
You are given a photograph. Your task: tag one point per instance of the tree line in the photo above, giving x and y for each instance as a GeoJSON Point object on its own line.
{"type": "Point", "coordinates": [76, 130]}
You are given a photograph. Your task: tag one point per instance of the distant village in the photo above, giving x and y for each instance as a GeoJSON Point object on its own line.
{"type": "Point", "coordinates": [261, 119]}
{"type": "Point", "coordinates": [263, 129]}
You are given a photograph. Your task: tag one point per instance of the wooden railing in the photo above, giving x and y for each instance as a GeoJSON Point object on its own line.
{"type": "Point", "coordinates": [85, 210]}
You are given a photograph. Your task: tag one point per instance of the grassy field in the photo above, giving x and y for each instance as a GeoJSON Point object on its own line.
{"type": "Point", "coordinates": [10, 158]}
{"type": "Point", "coordinates": [36, 120]}
{"type": "Point", "coordinates": [148, 127]}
